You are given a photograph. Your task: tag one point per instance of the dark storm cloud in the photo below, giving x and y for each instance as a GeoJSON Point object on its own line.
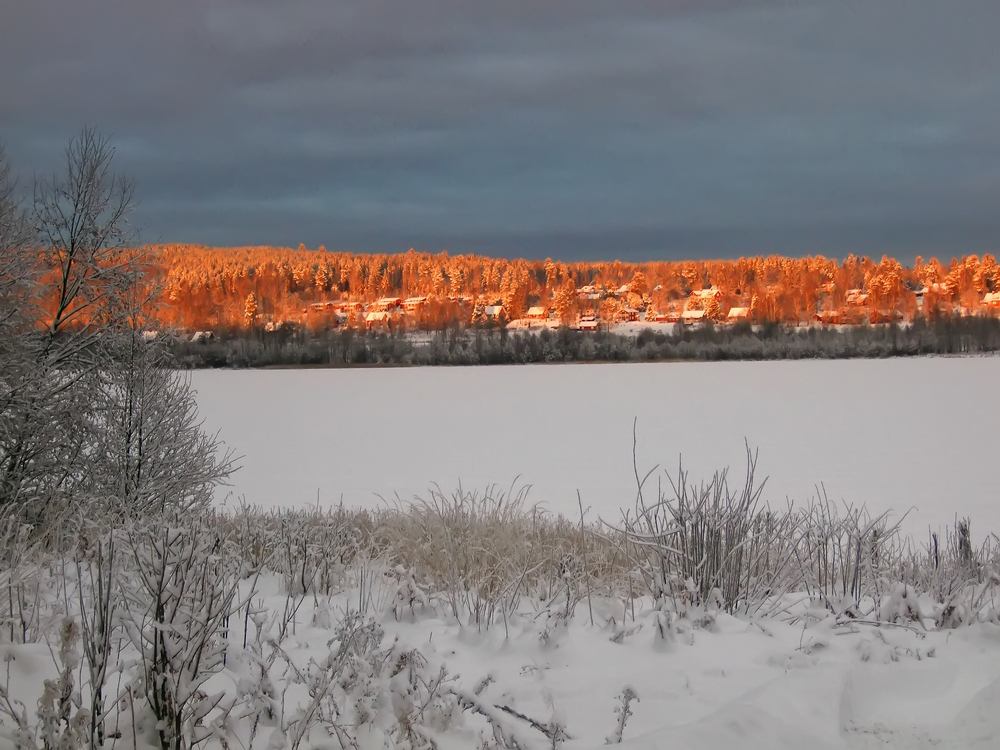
{"type": "Point", "coordinates": [573, 129]}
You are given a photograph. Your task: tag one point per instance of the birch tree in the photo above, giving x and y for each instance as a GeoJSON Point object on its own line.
{"type": "Point", "coordinates": [91, 415]}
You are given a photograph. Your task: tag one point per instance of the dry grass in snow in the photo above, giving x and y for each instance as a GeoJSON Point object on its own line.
{"type": "Point", "coordinates": [701, 616]}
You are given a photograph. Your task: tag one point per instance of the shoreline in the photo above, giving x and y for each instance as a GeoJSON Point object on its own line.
{"type": "Point", "coordinates": [485, 347]}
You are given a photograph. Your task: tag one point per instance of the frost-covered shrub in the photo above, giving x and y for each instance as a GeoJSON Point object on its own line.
{"type": "Point", "coordinates": [178, 603]}
{"type": "Point", "coordinates": [364, 690]}
{"type": "Point", "coordinates": [622, 711]}
{"type": "Point", "coordinates": [845, 554]}
{"type": "Point", "coordinates": [475, 555]}
{"type": "Point", "coordinates": [472, 549]}
{"type": "Point", "coordinates": [707, 543]}
{"type": "Point", "coordinates": [706, 546]}
{"type": "Point", "coordinates": [484, 553]}
{"type": "Point", "coordinates": [61, 722]}
{"type": "Point", "coordinates": [312, 548]}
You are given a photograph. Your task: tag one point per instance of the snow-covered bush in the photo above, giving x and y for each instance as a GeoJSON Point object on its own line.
{"type": "Point", "coordinates": [312, 548]}
{"type": "Point", "coordinates": [94, 423]}
{"type": "Point", "coordinates": [177, 606]}
{"type": "Point", "coordinates": [363, 690]}
{"type": "Point", "coordinates": [622, 711]}
{"type": "Point", "coordinates": [485, 553]}
{"type": "Point", "coordinates": [961, 579]}
{"type": "Point", "coordinates": [98, 600]}
{"type": "Point", "coordinates": [844, 554]}
{"type": "Point", "coordinates": [21, 588]}
{"type": "Point", "coordinates": [707, 543]}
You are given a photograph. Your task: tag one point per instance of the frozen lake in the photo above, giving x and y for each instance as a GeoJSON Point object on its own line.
{"type": "Point", "coordinates": [895, 434]}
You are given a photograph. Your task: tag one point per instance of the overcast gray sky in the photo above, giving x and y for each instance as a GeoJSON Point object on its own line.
{"type": "Point", "coordinates": [573, 129]}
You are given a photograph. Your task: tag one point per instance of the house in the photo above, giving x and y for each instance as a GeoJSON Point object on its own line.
{"type": "Point", "coordinates": [672, 316]}
{"type": "Point", "coordinates": [202, 337]}
{"type": "Point", "coordinates": [340, 306]}
{"type": "Point", "coordinates": [413, 304]}
{"type": "Point", "coordinates": [704, 295]}
{"type": "Point", "coordinates": [627, 315]}
{"type": "Point", "coordinates": [939, 295]}
{"type": "Point", "coordinates": [536, 313]}
{"type": "Point", "coordinates": [494, 312]}
{"type": "Point", "coordinates": [992, 299]}
{"type": "Point", "coordinates": [377, 319]}
{"type": "Point", "coordinates": [856, 298]}
{"type": "Point", "coordinates": [340, 310]}
{"type": "Point", "coordinates": [385, 304]}
{"type": "Point", "coordinates": [737, 314]}
{"type": "Point", "coordinates": [828, 317]}
{"type": "Point", "coordinates": [587, 322]}
{"type": "Point", "coordinates": [689, 317]}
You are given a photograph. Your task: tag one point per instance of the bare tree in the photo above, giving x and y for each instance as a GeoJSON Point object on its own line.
{"type": "Point", "coordinates": [91, 415]}
{"type": "Point", "coordinates": [15, 266]}
{"type": "Point", "coordinates": [20, 277]}
{"type": "Point", "coordinates": [78, 267]}
{"type": "Point", "coordinates": [81, 218]}
{"type": "Point", "coordinates": [154, 452]}
{"type": "Point", "coordinates": [16, 276]}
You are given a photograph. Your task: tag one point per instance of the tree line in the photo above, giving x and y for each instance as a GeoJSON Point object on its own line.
{"type": "Point", "coordinates": [213, 288]}
{"type": "Point", "coordinates": [493, 346]}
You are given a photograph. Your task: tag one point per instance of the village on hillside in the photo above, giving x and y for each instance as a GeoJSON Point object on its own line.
{"type": "Point", "coordinates": [274, 289]}
{"type": "Point", "coordinates": [593, 306]}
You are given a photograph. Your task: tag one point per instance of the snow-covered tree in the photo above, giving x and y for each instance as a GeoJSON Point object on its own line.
{"type": "Point", "coordinates": [153, 453]}
{"type": "Point", "coordinates": [250, 310]}
{"type": "Point", "coordinates": [564, 299]}
{"type": "Point", "coordinates": [713, 310]}
{"type": "Point", "coordinates": [78, 299]}
{"type": "Point", "coordinates": [91, 417]}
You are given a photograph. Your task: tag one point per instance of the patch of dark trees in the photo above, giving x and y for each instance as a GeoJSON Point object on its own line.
{"type": "Point", "coordinates": [498, 346]}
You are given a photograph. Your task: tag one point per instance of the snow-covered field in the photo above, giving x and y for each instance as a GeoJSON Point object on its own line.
{"type": "Point", "coordinates": [918, 435]}
{"type": "Point", "coordinates": [732, 683]}
{"type": "Point", "coordinates": [423, 680]}
{"type": "Point", "coordinates": [437, 628]}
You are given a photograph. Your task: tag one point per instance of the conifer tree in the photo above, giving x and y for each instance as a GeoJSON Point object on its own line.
{"type": "Point", "coordinates": [250, 310]}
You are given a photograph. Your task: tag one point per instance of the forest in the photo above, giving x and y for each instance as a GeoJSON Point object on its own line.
{"type": "Point", "coordinates": [233, 289]}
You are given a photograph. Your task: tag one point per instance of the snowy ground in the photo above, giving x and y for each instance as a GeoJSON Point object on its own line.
{"type": "Point", "coordinates": [791, 675]}
{"type": "Point", "coordinates": [738, 684]}
{"type": "Point", "coordinates": [637, 327]}
{"type": "Point", "coordinates": [786, 683]}
{"type": "Point", "coordinates": [896, 434]}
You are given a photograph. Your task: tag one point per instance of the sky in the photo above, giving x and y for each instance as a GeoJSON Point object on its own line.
{"type": "Point", "coordinates": [571, 129]}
